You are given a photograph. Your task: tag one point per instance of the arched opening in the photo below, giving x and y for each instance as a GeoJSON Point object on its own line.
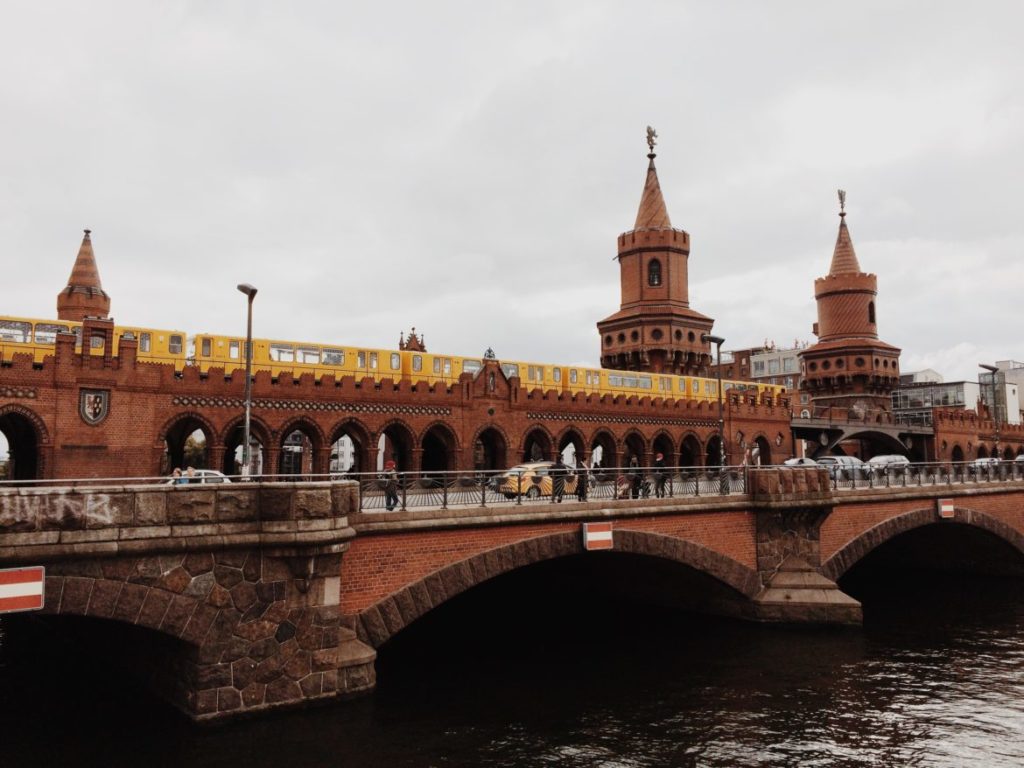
{"type": "Point", "coordinates": [438, 447]}
{"type": "Point", "coordinates": [982, 452]}
{"type": "Point", "coordinates": [349, 445]}
{"type": "Point", "coordinates": [1008, 454]}
{"type": "Point", "coordinates": [571, 446]}
{"type": "Point", "coordinates": [654, 273]}
{"type": "Point", "coordinates": [296, 454]}
{"type": "Point", "coordinates": [19, 447]}
{"type": "Point", "coordinates": [690, 452]}
{"type": "Point", "coordinates": [490, 451]}
{"type": "Point", "coordinates": [664, 445]}
{"type": "Point", "coordinates": [395, 444]}
{"type": "Point", "coordinates": [234, 454]}
{"type": "Point", "coordinates": [713, 452]}
{"type": "Point", "coordinates": [760, 452]}
{"type": "Point", "coordinates": [635, 446]}
{"type": "Point", "coordinates": [536, 445]}
{"type": "Point", "coordinates": [957, 454]}
{"type": "Point", "coordinates": [186, 445]}
{"type": "Point", "coordinates": [602, 451]}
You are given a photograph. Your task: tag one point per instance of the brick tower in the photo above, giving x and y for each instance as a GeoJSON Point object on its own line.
{"type": "Point", "coordinates": [654, 329]}
{"type": "Point", "coordinates": [849, 368]}
{"type": "Point", "coordinates": [84, 295]}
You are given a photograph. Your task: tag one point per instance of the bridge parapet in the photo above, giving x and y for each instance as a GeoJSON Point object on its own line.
{"type": "Point", "coordinates": [791, 486]}
{"type": "Point", "coordinates": [45, 524]}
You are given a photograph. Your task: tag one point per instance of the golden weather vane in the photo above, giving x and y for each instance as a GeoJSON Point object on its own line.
{"type": "Point", "coordinates": [842, 200]}
{"type": "Point", "coordinates": [651, 136]}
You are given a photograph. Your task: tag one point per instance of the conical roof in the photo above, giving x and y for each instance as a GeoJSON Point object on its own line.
{"type": "Point", "coordinates": [652, 214]}
{"type": "Point", "coordinates": [85, 274]}
{"type": "Point", "coordinates": [844, 258]}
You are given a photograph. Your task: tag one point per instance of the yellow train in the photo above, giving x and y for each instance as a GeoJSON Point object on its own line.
{"type": "Point", "coordinates": [38, 337]}
{"type": "Point", "coordinates": [26, 335]}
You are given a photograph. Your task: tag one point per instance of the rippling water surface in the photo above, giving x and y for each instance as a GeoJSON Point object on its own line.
{"type": "Point", "coordinates": [935, 678]}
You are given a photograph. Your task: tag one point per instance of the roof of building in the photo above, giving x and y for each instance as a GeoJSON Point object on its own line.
{"type": "Point", "coordinates": [652, 213]}
{"type": "Point", "coordinates": [844, 258]}
{"type": "Point", "coordinates": [85, 276]}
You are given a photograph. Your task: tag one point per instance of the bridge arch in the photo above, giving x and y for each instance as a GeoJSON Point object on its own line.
{"type": "Point", "coordinates": [358, 442]}
{"type": "Point", "coordinates": [854, 551]}
{"type": "Point", "coordinates": [26, 435]}
{"type": "Point", "coordinates": [178, 450]}
{"type": "Point", "coordinates": [571, 436]}
{"type": "Point", "coordinates": [490, 448]}
{"type": "Point", "coordinates": [636, 444]}
{"type": "Point", "coordinates": [690, 451]}
{"type": "Point", "coordinates": [300, 453]}
{"type": "Point", "coordinates": [395, 441]}
{"type": "Point", "coordinates": [386, 618]}
{"type": "Point", "coordinates": [603, 438]}
{"type": "Point", "coordinates": [537, 444]}
{"type": "Point", "coordinates": [440, 447]}
{"type": "Point", "coordinates": [232, 438]}
{"type": "Point", "coordinates": [665, 445]}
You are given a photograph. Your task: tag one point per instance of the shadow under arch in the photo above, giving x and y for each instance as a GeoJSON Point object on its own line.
{"type": "Point", "coordinates": [384, 619]}
{"type": "Point", "coordinates": [855, 550]}
{"type": "Point", "coordinates": [26, 435]}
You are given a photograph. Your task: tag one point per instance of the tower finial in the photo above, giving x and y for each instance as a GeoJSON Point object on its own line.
{"type": "Point", "coordinates": [842, 202]}
{"type": "Point", "coordinates": [651, 136]}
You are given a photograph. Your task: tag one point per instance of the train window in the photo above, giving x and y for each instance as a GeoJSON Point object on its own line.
{"type": "Point", "coordinates": [174, 344]}
{"type": "Point", "coordinates": [334, 357]}
{"type": "Point", "coordinates": [695, 387]}
{"type": "Point", "coordinates": [614, 380]}
{"type": "Point", "coordinates": [16, 331]}
{"type": "Point", "coordinates": [572, 376]}
{"type": "Point", "coordinates": [207, 347]}
{"type": "Point", "coordinates": [665, 385]}
{"type": "Point", "coordinates": [396, 361]}
{"type": "Point", "coordinates": [46, 333]}
{"type": "Point", "coordinates": [471, 366]}
{"type": "Point", "coordinates": [145, 342]}
{"type": "Point", "coordinates": [437, 365]}
{"type": "Point", "coordinates": [360, 360]}
{"type": "Point", "coordinates": [510, 370]}
{"type": "Point", "coordinates": [282, 353]}
{"type": "Point", "coordinates": [309, 355]}
{"type": "Point", "coordinates": [233, 350]}
{"type": "Point", "coordinates": [709, 388]}
{"type": "Point", "coordinates": [417, 363]}
{"type": "Point", "coordinates": [447, 366]}
{"type": "Point", "coordinates": [558, 374]}
{"type": "Point", "coordinates": [373, 361]}
{"type": "Point", "coordinates": [682, 385]}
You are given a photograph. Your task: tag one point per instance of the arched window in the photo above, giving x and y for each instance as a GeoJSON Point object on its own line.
{"type": "Point", "coordinates": [871, 312]}
{"type": "Point", "coordinates": [654, 272]}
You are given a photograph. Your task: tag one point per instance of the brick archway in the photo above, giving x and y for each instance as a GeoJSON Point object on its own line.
{"type": "Point", "coordinates": [854, 551]}
{"type": "Point", "coordinates": [26, 435]}
{"type": "Point", "coordinates": [385, 619]}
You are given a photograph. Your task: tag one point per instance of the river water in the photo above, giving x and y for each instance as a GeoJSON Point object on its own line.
{"type": "Point", "coordinates": [521, 676]}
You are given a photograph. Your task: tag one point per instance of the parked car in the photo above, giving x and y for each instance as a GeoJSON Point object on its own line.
{"type": "Point", "coordinates": [800, 461]}
{"type": "Point", "coordinates": [891, 463]}
{"type": "Point", "coordinates": [532, 480]}
{"type": "Point", "coordinates": [201, 476]}
{"type": "Point", "coordinates": [990, 461]}
{"type": "Point", "coordinates": [843, 467]}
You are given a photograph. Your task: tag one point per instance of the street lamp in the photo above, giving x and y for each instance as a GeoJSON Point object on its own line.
{"type": "Point", "coordinates": [250, 292]}
{"type": "Point", "coordinates": [707, 338]}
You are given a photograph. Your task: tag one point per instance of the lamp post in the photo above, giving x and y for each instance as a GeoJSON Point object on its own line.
{"type": "Point", "coordinates": [707, 338]}
{"type": "Point", "coordinates": [250, 292]}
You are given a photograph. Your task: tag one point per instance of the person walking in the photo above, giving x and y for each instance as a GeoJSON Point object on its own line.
{"type": "Point", "coordinates": [659, 475]}
{"type": "Point", "coordinates": [390, 485]}
{"type": "Point", "coordinates": [581, 479]}
{"type": "Point", "coordinates": [558, 473]}
{"type": "Point", "coordinates": [635, 478]}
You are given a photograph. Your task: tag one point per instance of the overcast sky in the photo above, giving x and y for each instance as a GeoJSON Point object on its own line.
{"type": "Point", "coordinates": [467, 167]}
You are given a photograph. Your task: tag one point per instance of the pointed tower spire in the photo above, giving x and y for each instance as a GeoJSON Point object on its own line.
{"type": "Point", "coordinates": [844, 258]}
{"type": "Point", "coordinates": [84, 295]}
{"type": "Point", "coordinates": [652, 214]}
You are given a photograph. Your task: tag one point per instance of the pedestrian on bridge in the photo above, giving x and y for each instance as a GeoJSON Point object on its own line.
{"type": "Point", "coordinates": [558, 473]}
{"type": "Point", "coordinates": [390, 485]}
{"type": "Point", "coordinates": [659, 475]}
{"type": "Point", "coordinates": [581, 479]}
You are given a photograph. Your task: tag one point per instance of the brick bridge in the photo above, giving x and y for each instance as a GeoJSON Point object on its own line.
{"type": "Point", "coordinates": [265, 595]}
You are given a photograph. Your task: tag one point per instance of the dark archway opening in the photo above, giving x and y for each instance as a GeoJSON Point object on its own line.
{"type": "Point", "coordinates": [713, 453]}
{"type": "Point", "coordinates": [187, 445]}
{"type": "Point", "coordinates": [234, 455]}
{"type": "Point", "coordinates": [536, 446]}
{"type": "Point", "coordinates": [982, 452]}
{"type": "Point", "coordinates": [602, 453]}
{"type": "Point", "coordinates": [348, 450]}
{"type": "Point", "coordinates": [395, 444]}
{"type": "Point", "coordinates": [635, 447]}
{"type": "Point", "coordinates": [572, 447]}
{"type": "Point", "coordinates": [690, 452]}
{"type": "Point", "coordinates": [438, 450]}
{"type": "Point", "coordinates": [490, 451]}
{"type": "Point", "coordinates": [761, 452]}
{"type": "Point", "coordinates": [958, 454]}
{"type": "Point", "coordinates": [296, 454]}
{"type": "Point", "coordinates": [663, 444]}
{"type": "Point", "coordinates": [19, 448]}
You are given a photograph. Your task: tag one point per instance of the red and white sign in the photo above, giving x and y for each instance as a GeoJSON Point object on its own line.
{"type": "Point", "coordinates": [21, 589]}
{"type": "Point", "coordinates": [945, 508]}
{"type": "Point", "coordinates": [597, 535]}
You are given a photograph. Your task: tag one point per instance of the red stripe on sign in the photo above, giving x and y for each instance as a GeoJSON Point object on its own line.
{"type": "Point", "coordinates": [21, 575]}
{"type": "Point", "coordinates": [598, 527]}
{"type": "Point", "coordinates": [26, 603]}
{"type": "Point", "coordinates": [599, 544]}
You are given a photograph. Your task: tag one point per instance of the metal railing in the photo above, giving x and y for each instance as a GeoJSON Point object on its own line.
{"type": "Point", "coordinates": [924, 474]}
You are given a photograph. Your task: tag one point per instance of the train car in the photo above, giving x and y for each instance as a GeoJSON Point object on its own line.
{"type": "Point", "coordinates": [432, 369]}
{"type": "Point", "coordinates": [582, 380]}
{"type": "Point", "coordinates": [296, 358]}
{"type": "Point", "coordinates": [543, 376]}
{"type": "Point", "coordinates": [39, 338]}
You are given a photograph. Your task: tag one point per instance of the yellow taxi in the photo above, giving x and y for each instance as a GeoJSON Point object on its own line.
{"type": "Point", "coordinates": [532, 480]}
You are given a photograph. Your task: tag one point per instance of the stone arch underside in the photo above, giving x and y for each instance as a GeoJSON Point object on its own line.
{"type": "Point", "coordinates": [386, 618]}
{"type": "Point", "coordinates": [855, 550]}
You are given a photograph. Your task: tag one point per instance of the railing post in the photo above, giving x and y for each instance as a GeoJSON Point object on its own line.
{"type": "Point", "coordinates": [519, 488]}
{"type": "Point", "coordinates": [696, 483]}
{"type": "Point", "coordinates": [405, 492]}
{"type": "Point", "coordinates": [483, 490]}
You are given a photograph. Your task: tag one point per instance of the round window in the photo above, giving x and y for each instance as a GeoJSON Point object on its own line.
{"type": "Point", "coordinates": [622, 338]}
{"type": "Point", "coordinates": [634, 336]}
{"type": "Point", "coordinates": [608, 340]}
{"type": "Point", "coordinates": [656, 334]}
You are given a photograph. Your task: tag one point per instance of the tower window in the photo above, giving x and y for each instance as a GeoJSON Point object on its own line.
{"type": "Point", "coordinates": [871, 312]}
{"type": "Point", "coordinates": [654, 272]}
